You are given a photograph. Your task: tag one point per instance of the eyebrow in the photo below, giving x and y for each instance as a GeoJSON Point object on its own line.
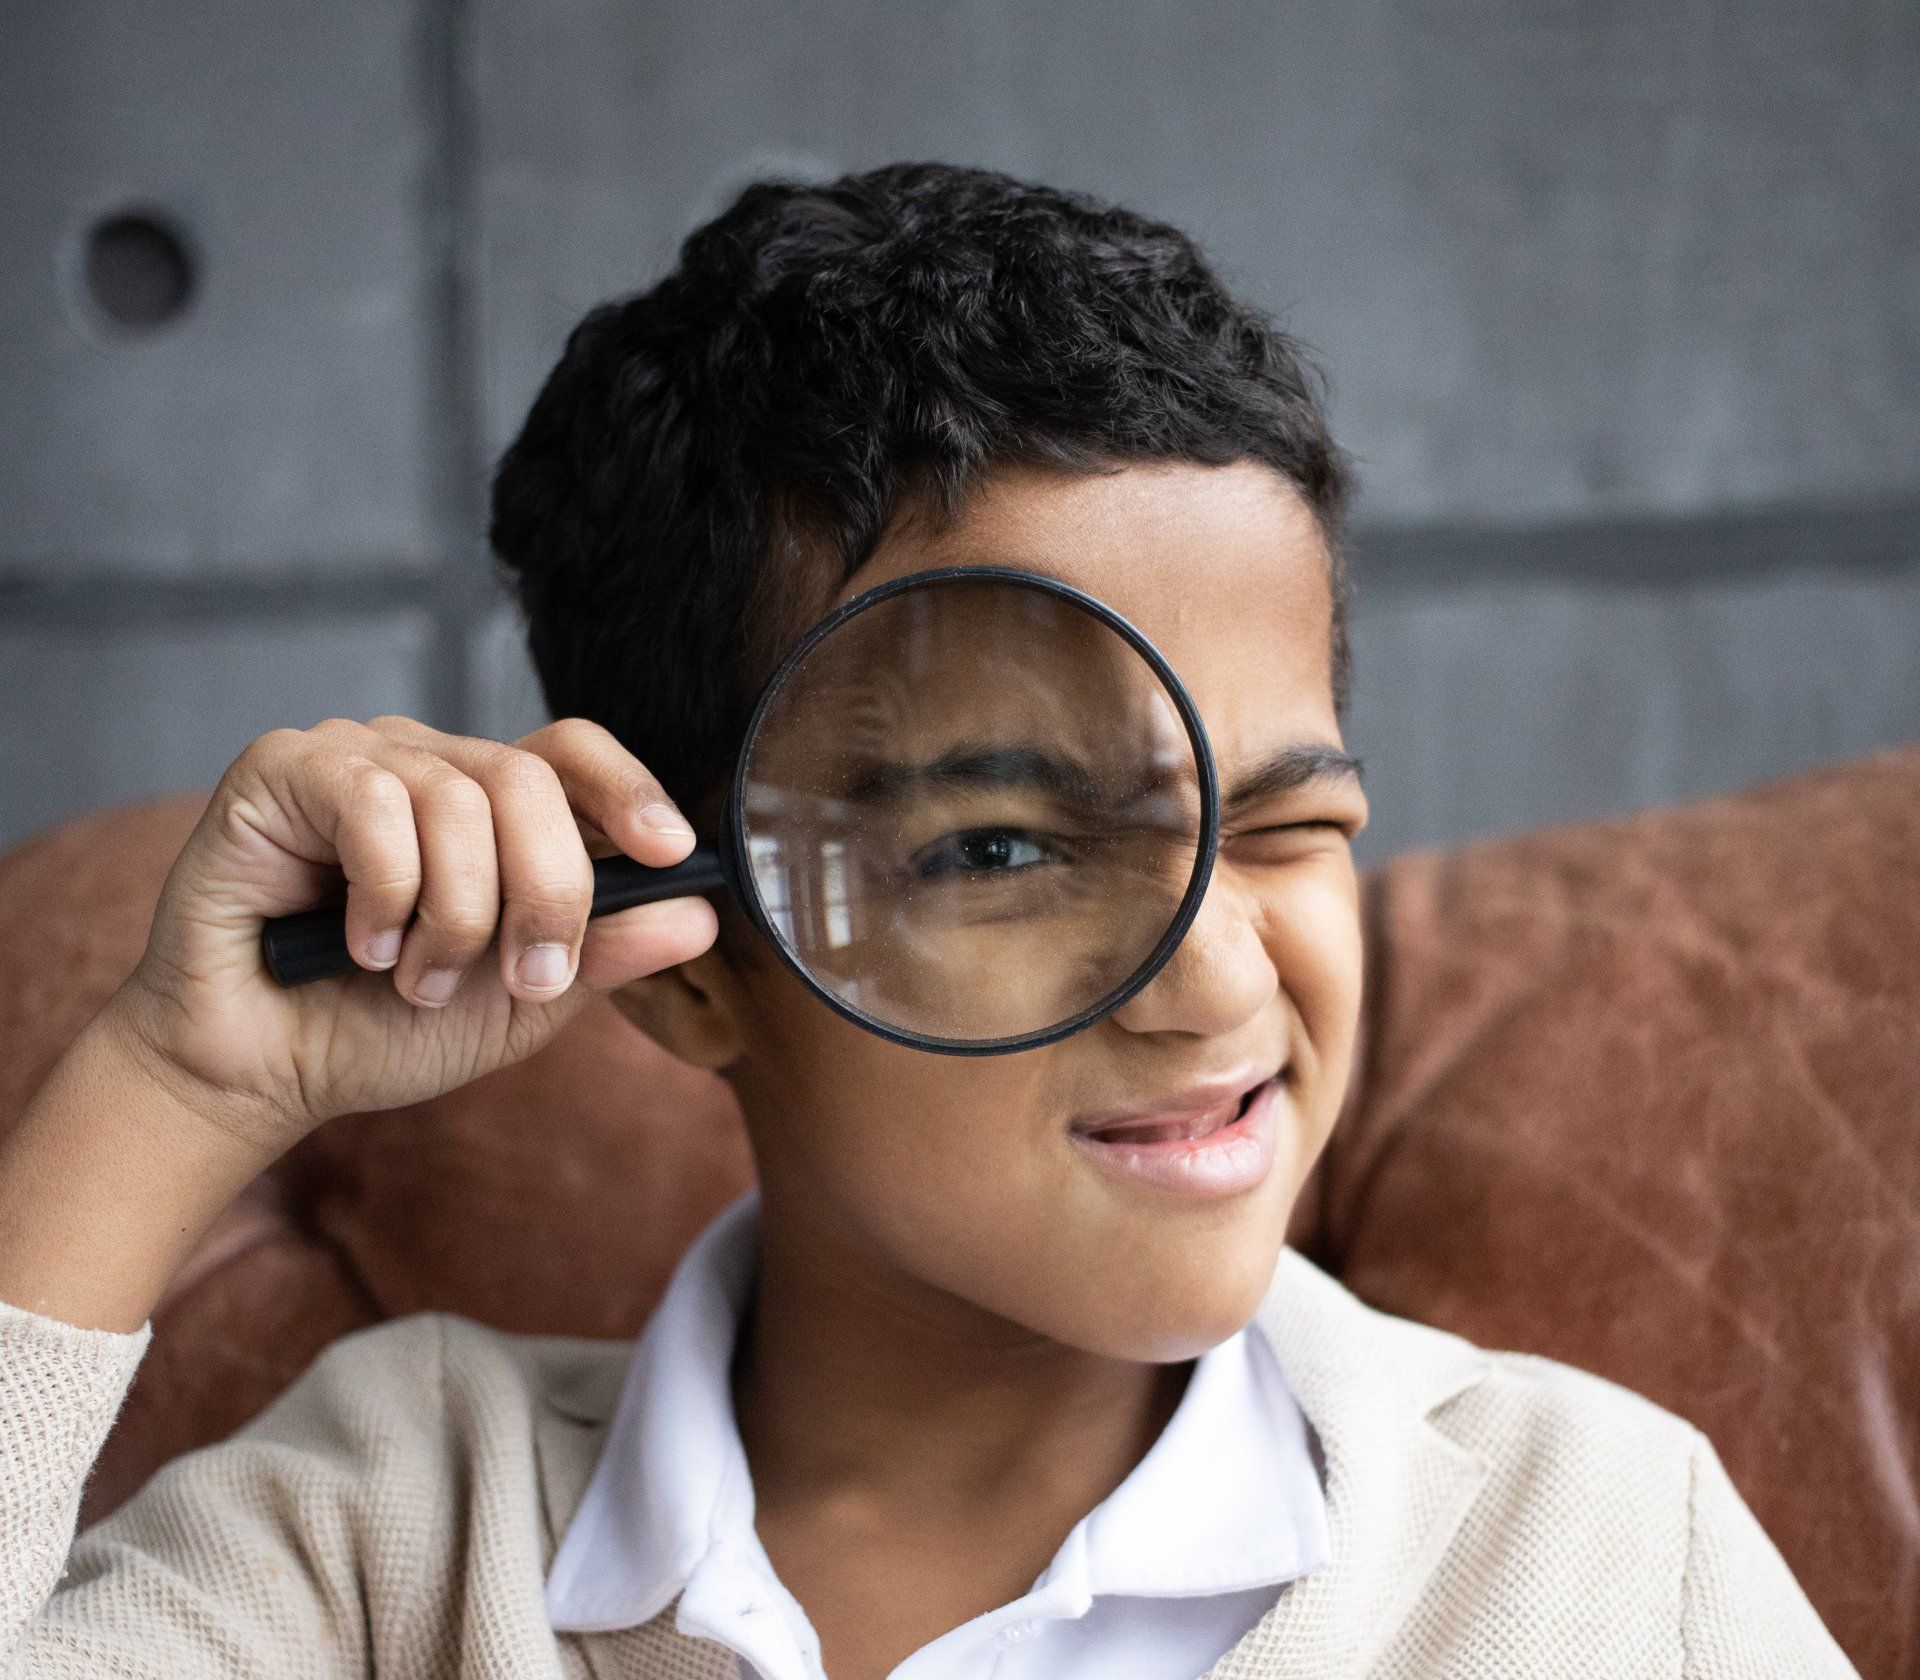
{"type": "Point", "coordinates": [1291, 767]}
{"type": "Point", "coordinates": [977, 766]}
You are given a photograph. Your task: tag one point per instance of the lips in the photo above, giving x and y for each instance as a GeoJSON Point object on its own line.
{"type": "Point", "coordinates": [1196, 1112]}
{"type": "Point", "coordinates": [1221, 1149]}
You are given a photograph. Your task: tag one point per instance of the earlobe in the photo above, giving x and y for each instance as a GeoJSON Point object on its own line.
{"type": "Point", "coordinates": [683, 1011]}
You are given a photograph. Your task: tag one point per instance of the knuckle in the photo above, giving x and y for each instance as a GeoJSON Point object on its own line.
{"type": "Point", "coordinates": [457, 926]}
{"type": "Point", "coordinates": [454, 793]}
{"type": "Point", "coordinates": [263, 757]}
{"type": "Point", "coordinates": [641, 787]}
{"type": "Point", "coordinates": [393, 723]}
{"type": "Point", "coordinates": [577, 734]}
{"type": "Point", "coordinates": [276, 743]}
{"type": "Point", "coordinates": [374, 789]}
{"type": "Point", "coordinates": [551, 899]}
{"type": "Point", "coordinates": [523, 775]}
{"type": "Point", "coordinates": [392, 882]}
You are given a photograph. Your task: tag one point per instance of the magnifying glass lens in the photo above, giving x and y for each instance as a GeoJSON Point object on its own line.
{"type": "Point", "coordinates": [971, 811]}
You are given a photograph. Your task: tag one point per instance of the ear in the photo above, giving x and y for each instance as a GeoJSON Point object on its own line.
{"type": "Point", "coordinates": [691, 1010]}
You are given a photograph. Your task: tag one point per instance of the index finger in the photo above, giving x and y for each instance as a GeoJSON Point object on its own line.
{"type": "Point", "coordinates": [613, 790]}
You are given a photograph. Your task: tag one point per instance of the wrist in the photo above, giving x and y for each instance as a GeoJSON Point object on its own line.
{"type": "Point", "coordinates": [108, 1181]}
{"type": "Point", "coordinates": [153, 1042]}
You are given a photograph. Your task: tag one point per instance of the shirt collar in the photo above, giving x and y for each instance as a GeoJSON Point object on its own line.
{"type": "Point", "coordinates": [1228, 1497]}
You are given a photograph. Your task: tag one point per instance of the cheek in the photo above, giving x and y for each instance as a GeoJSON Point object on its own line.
{"type": "Point", "coordinates": [956, 1174]}
{"type": "Point", "coordinates": [935, 1169]}
{"type": "Point", "coordinates": [905, 1147]}
{"type": "Point", "coordinates": [1311, 932]}
{"type": "Point", "coordinates": [947, 1171]}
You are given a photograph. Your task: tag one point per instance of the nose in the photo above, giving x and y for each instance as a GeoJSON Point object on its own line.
{"type": "Point", "coordinates": [1219, 977]}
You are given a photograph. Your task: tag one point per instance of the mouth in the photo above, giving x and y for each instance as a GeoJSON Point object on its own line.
{"type": "Point", "coordinates": [1218, 1149]}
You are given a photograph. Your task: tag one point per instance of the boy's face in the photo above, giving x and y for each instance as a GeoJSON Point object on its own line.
{"type": "Point", "coordinates": [963, 1180]}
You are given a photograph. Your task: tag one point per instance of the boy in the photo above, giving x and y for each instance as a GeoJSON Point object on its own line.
{"type": "Point", "coordinates": [968, 1386]}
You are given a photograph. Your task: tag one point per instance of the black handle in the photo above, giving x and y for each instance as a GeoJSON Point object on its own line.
{"type": "Point", "coordinates": [312, 944]}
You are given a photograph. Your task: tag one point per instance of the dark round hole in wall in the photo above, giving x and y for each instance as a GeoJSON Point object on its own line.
{"type": "Point", "coordinates": [139, 272]}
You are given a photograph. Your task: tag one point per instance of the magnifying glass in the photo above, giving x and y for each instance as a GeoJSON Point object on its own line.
{"type": "Point", "coordinates": [974, 811]}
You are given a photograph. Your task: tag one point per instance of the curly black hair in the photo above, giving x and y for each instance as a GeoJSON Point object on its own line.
{"type": "Point", "coordinates": [822, 353]}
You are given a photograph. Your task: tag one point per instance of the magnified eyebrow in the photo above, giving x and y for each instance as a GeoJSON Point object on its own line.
{"type": "Point", "coordinates": [1289, 768]}
{"type": "Point", "coordinates": [978, 766]}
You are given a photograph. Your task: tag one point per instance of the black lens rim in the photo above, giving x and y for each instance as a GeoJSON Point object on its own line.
{"type": "Point", "coordinates": [747, 889]}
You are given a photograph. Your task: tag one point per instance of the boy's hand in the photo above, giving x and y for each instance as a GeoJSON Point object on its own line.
{"type": "Point", "coordinates": [445, 840]}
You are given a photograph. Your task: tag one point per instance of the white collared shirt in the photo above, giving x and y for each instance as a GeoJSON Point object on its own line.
{"type": "Point", "coordinates": [1159, 1580]}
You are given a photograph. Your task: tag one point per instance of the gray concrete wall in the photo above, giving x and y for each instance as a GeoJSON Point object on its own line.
{"type": "Point", "coordinates": [1621, 303]}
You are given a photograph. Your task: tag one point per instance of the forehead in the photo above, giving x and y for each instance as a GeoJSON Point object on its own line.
{"type": "Point", "coordinates": [1223, 568]}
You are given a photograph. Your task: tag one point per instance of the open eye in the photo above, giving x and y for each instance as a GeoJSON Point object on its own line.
{"type": "Point", "coordinates": [976, 852]}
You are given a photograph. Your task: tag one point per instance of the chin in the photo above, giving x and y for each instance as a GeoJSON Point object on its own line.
{"type": "Point", "coordinates": [1172, 1306]}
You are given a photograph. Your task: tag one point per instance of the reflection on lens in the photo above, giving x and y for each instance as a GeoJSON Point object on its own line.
{"type": "Point", "coordinates": [972, 810]}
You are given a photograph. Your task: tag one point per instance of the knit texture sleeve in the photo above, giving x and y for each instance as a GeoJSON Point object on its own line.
{"type": "Point", "coordinates": [60, 1389]}
{"type": "Point", "coordinates": [249, 1558]}
{"type": "Point", "coordinates": [1743, 1616]}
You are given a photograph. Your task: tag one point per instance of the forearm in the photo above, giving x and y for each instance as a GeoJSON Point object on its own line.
{"type": "Point", "coordinates": [107, 1183]}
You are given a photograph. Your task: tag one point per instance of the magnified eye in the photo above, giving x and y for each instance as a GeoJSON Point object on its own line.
{"type": "Point", "coordinates": [977, 852]}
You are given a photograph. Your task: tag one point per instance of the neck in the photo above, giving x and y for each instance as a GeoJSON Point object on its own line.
{"type": "Point", "coordinates": [859, 1388]}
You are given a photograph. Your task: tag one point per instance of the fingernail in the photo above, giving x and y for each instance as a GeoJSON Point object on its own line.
{"type": "Point", "coordinates": [664, 819]}
{"type": "Point", "coordinates": [542, 968]}
{"type": "Point", "coordinates": [436, 986]}
{"type": "Point", "coordinates": [383, 949]}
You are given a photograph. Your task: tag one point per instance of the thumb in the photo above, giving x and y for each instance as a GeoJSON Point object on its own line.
{"type": "Point", "coordinates": [645, 939]}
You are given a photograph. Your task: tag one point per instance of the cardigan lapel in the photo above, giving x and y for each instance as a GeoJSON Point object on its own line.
{"type": "Point", "coordinates": [570, 1428]}
{"type": "Point", "coordinates": [1397, 1486]}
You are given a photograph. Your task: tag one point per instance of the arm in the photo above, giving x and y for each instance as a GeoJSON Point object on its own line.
{"type": "Point", "coordinates": [292, 1551]}
{"type": "Point", "coordinates": [1742, 1614]}
{"type": "Point", "coordinates": [106, 1182]}
{"type": "Point", "coordinates": [199, 1072]}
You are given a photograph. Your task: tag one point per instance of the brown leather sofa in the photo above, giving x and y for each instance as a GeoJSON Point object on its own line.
{"type": "Point", "coordinates": [1643, 1096]}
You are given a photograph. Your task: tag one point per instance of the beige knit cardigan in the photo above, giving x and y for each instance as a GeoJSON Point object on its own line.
{"type": "Point", "coordinates": [1493, 1516]}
